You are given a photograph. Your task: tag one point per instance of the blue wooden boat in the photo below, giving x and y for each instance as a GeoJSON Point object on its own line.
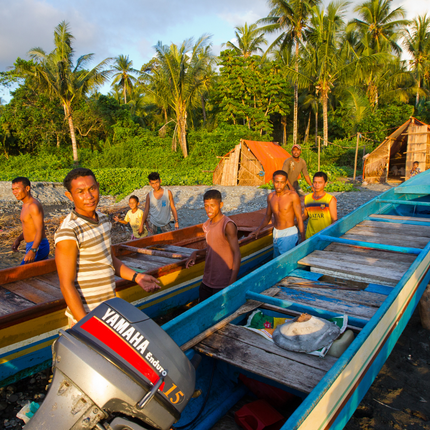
{"type": "Point", "coordinates": [382, 247]}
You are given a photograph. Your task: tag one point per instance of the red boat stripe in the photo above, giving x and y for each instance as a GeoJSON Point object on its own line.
{"type": "Point", "coordinates": [114, 341]}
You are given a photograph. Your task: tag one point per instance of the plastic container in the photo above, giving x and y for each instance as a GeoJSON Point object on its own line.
{"type": "Point", "coordinates": [259, 415]}
{"type": "Point", "coordinates": [339, 345]}
{"type": "Point", "coordinates": [27, 411]}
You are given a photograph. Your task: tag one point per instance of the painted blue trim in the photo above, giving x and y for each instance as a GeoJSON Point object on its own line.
{"type": "Point", "coordinates": [405, 202]}
{"type": "Point", "coordinates": [381, 246]}
{"type": "Point", "coordinates": [303, 410]}
{"type": "Point", "coordinates": [413, 189]}
{"type": "Point", "coordinates": [286, 304]}
{"type": "Point", "coordinates": [399, 221]}
{"type": "Point", "coordinates": [379, 289]}
{"type": "Point", "coordinates": [305, 274]}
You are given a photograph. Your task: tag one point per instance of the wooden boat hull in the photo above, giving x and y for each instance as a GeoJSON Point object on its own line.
{"type": "Point", "coordinates": [26, 336]}
{"type": "Point", "coordinates": [332, 401]}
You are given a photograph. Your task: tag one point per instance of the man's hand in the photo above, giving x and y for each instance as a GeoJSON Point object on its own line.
{"type": "Point", "coordinates": [29, 257]}
{"type": "Point", "coordinates": [255, 233]}
{"type": "Point", "coordinates": [15, 245]}
{"type": "Point", "coordinates": [191, 260]}
{"type": "Point", "coordinates": [176, 225]}
{"type": "Point", "coordinates": [148, 282]}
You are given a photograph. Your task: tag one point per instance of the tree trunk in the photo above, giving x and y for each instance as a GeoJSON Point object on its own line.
{"type": "Point", "coordinates": [182, 125]}
{"type": "Point", "coordinates": [316, 127]}
{"type": "Point", "coordinates": [125, 95]}
{"type": "Point", "coordinates": [203, 109]}
{"type": "Point", "coordinates": [418, 93]}
{"type": "Point", "coordinates": [68, 112]}
{"type": "Point", "coordinates": [296, 96]}
{"type": "Point", "coordinates": [308, 127]}
{"type": "Point", "coordinates": [284, 130]}
{"type": "Point", "coordinates": [325, 119]}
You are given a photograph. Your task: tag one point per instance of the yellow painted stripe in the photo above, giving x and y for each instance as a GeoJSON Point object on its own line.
{"type": "Point", "coordinates": [26, 351]}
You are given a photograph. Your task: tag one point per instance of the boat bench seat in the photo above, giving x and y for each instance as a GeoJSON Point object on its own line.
{"type": "Point", "coordinates": [251, 352]}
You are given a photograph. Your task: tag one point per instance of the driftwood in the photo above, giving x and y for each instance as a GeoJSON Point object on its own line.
{"type": "Point", "coordinates": [154, 252]}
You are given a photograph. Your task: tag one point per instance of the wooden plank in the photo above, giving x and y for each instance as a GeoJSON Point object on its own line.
{"type": "Point", "coordinates": [359, 271]}
{"type": "Point", "coordinates": [152, 252]}
{"type": "Point", "coordinates": [386, 240]}
{"type": "Point", "coordinates": [238, 333]}
{"type": "Point", "coordinates": [140, 265]}
{"type": "Point", "coordinates": [327, 303]}
{"type": "Point", "coordinates": [375, 253]}
{"type": "Point", "coordinates": [407, 229]}
{"type": "Point", "coordinates": [50, 278]}
{"type": "Point", "coordinates": [173, 248]}
{"type": "Point", "coordinates": [361, 259]}
{"type": "Point", "coordinates": [402, 218]}
{"type": "Point", "coordinates": [379, 289]}
{"type": "Point", "coordinates": [393, 233]}
{"type": "Point", "coordinates": [28, 292]}
{"type": "Point", "coordinates": [305, 274]}
{"type": "Point", "coordinates": [365, 298]}
{"type": "Point", "coordinates": [155, 259]}
{"type": "Point", "coordinates": [10, 302]}
{"type": "Point", "coordinates": [255, 360]}
{"type": "Point", "coordinates": [43, 286]}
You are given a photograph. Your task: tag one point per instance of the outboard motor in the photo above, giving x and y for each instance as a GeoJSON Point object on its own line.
{"type": "Point", "coordinates": [115, 369]}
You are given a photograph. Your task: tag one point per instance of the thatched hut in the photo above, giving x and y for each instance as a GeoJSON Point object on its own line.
{"type": "Point", "coordinates": [392, 160]}
{"type": "Point", "coordinates": [250, 163]}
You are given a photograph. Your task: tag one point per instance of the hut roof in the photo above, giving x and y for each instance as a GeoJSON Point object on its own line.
{"type": "Point", "coordinates": [269, 154]}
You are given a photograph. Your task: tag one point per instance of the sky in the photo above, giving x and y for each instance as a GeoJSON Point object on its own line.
{"type": "Point", "coordinates": [109, 28]}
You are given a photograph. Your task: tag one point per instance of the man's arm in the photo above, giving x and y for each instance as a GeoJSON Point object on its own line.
{"type": "Point", "coordinates": [192, 258]}
{"type": "Point", "coordinates": [298, 213]}
{"type": "Point", "coordinates": [147, 282]}
{"type": "Point", "coordinates": [66, 255]}
{"type": "Point", "coordinates": [267, 218]}
{"type": "Point", "coordinates": [305, 215]}
{"type": "Point", "coordinates": [145, 215]}
{"type": "Point", "coordinates": [308, 180]}
{"type": "Point", "coordinates": [173, 208]}
{"type": "Point", "coordinates": [332, 207]}
{"type": "Point", "coordinates": [37, 217]}
{"type": "Point", "coordinates": [17, 242]}
{"type": "Point", "coordinates": [231, 235]}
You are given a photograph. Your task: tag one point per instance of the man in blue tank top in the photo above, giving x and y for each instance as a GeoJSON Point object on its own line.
{"type": "Point", "coordinates": [159, 204]}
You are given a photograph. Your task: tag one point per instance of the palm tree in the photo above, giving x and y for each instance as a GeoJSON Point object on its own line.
{"type": "Point", "coordinates": [292, 18]}
{"type": "Point", "coordinates": [124, 74]}
{"type": "Point", "coordinates": [379, 25]}
{"type": "Point", "coordinates": [57, 75]}
{"type": "Point", "coordinates": [178, 76]}
{"type": "Point", "coordinates": [248, 39]}
{"type": "Point", "coordinates": [417, 43]}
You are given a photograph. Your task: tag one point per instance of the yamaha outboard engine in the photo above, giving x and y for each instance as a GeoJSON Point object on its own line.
{"type": "Point", "coordinates": [115, 369]}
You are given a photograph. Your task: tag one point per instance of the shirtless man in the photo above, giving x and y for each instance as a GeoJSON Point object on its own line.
{"type": "Point", "coordinates": [33, 226]}
{"type": "Point", "coordinates": [284, 205]}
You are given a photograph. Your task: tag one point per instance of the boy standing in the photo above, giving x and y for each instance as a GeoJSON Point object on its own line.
{"type": "Point", "coordinates": [295, 165]}
{"type": "Point", "coordinates": [134, 218]}
{"type": "Point", "coordinates": [33, 225]}
{"type": "Point", "coordinates": [284, 205]}
{"type": "Point", "coordinates": [320, 207]}
{"type": "Point", "coordinates": [85, 263]}
{"type": "Point", "coordinates": [159, 203]}
{"type": "Point", "coordinates": [415, 169]}
{"type": "Point", "coordinates": [222, 251]}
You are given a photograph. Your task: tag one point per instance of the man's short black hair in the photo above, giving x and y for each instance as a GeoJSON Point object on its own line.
{"type": "Point", "coordinates": [74, 174]}
{"type": "Point", "coordinates": [154, 176]}
{"type": "Point", "coordinates": [212, 195]}
{"type": "Point", "coordinates": [280, 172]}
{"type": "Point", "coordinates": [25, 181]}
{"type": "Point", "coordinates": [134, 197]}
{"type": "Point", "coordinates": [321, 175]}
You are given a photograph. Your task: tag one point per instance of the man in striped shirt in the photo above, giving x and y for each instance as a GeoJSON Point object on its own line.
{"type": "Point", "coordinates": [85, 263]}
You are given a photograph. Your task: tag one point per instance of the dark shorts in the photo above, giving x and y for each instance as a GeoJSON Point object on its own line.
{"type": "Point", "coordinates": [43, 252]}
{"type": "Point", "coordinates": [205, 292]}
{"type": "Point", "coordinates": [154, 229]}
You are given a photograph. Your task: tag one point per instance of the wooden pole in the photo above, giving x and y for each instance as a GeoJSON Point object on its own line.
{"type": "Point", "coordinates": [356, 156]}
{"type": "Point", "coordinates": [319, 152]}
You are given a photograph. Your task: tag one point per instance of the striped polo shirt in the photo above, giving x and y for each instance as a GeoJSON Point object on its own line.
{"type": "Point", "coordinates": [95, 281]}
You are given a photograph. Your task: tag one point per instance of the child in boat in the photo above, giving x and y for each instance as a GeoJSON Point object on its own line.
{"type": "Point", "coordinates": [415, 169]}
{"type": "Point", "coordinates": [159, 204]}
{"type": "Point", "coordinates": [222, 251]}
{"type": "Point", "coordinates": [320, 207]}
{"type": "Point", "coordinates": [85, 263]}
{"type": "Point", "coordinates": [284, 205]}
{"type": "Point", "coordinates": [134, 218]}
